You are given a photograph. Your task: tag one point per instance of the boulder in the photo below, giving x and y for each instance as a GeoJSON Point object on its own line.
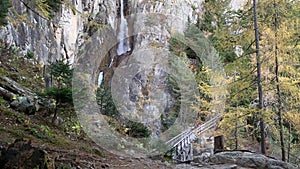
{"type": "Point", "coordinates": [23, 104]}
{"type": "Point", "coordinates": [276, 164]}
{"type": "Point", "coordinates": [249, 160]}
{"type": "Point", "coordinates": [225, 157]}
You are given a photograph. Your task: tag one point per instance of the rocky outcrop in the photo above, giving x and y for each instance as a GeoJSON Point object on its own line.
{"type": "Point", "coordinates": [249, 160]}
{"type": "Point", "coordinates": [23, 104]}
{"type": "Point", "coordinates": [175, 15]}
{"type": "Point", "coordinates": [60, 36]}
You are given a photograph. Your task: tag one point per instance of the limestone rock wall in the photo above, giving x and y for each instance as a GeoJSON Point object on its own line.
{"type": "Point", "coordinates": [60, 36]}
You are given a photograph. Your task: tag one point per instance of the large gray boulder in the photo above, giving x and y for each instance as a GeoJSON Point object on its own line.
{"type": "Point", "coordinates": [249, 160]}
{"type": "Point", "coordinates": [23, 104]}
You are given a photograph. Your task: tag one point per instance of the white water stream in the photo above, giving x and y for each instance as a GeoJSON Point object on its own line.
{"type": "Point", "coordinates": [123, 33]}
{"type": "Point", "coordinates": [123, 39]}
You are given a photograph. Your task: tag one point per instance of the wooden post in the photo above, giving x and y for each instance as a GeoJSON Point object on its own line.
{"type": "Point", "coordinates": [219, 143]}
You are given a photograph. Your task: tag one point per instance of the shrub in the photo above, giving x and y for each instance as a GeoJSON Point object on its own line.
{"type": "Point", "coordinates": [137, 130]}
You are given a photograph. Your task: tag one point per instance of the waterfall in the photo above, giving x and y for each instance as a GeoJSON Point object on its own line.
{"type": "Point", "coordinates": [123, 33]}
{"type": "Point", "coordinates": [100, 79]}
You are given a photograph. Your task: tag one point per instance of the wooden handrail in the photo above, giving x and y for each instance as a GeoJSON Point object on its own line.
{"type": "Point", "coordinates": [189, 132]}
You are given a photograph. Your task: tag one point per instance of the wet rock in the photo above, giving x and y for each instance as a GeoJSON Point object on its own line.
{"type": "Point", "coordinates": [21, 154]}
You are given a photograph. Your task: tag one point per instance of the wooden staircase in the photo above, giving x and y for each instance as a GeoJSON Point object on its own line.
{"type": "Point", "coordinates": [181, 145]}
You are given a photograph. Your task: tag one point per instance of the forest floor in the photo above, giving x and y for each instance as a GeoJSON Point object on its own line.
{"type": "Point", "coordinates": [64, 150]}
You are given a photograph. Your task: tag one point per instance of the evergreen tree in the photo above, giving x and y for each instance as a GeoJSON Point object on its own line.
{"type": "Point", "coordinates": [215, 23]}
{"type": "Point", "coordinates": [105, 101]}
{"type": "Point", "coordinates": [61, 92]}
{"type": "Point", "coordinates": [279, 52]}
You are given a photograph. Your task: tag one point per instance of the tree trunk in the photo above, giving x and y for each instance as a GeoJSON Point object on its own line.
{"type": "Point", "coordinates": [236, 122]}
{"type": "Point", "coordinates": [47, 77]}
{"type": "Point", "coordinates": [278, 86]}
{"type": "Point", "coordinates": [7, 95]}
{"type": "Point", "coordinates": [236, 135]}
{"type": "Point", "coordinates": [260, 92]}
{"type": "Point", "coordinates": [289, 143]}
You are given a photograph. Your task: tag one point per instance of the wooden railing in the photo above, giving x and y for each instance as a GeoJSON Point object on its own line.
{"type": "Point", "coordinates": [182, 144]}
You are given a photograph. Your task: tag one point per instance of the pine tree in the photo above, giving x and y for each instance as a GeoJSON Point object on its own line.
{"type": "Point", "coordinates": [61, 92]}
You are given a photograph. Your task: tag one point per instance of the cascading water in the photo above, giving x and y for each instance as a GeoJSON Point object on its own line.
{"type": "Point", "coordinates": [100, 79]}
{"type": "Point", "coordinates": [123, 40]}
{"type": "Point", "coordinates": [123, 33]}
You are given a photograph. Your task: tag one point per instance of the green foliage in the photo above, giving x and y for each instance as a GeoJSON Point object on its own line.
{"type": "Point", "coordinates": [168, 120]}
{"type": "Point", "coordinates": [4, 5]}
{"type": "Point", "coordinates": [244, 102]}
{"type": "Point", "coordinates": [214, 17]}
{"type": "Point", "coordinates": [240, 121]}
{"type": "Point", "coordinates": [36, 133]}
{"type": "Point", "coordinates": [46, 7]}
{"type": "Point", "coordinates": [215, 22]}
{"type": "Point", "coordinates": [74, 126]}
{"type": "Point", "coordinates": [191, 52]}
{"type": "Point", "coordinates": [105, 100]}
{"type": "Point", "coordinates": [29, 55]}
{"type": "Point", "coordinates": [177, 45]}
{"type": "Point", "coordinates": [45, 130]}
{"type": "Point", "coordinates": [137, 130]}
{"type": "Point", "coordinates": [61, 95]}
{"type": "Point", "coordinates": [41, 132]}
{"type": "Point", "coordinates": [108, 108]}
{"type": "Point", "coordinates": [3, 106]}
{"type": "Point", "coordinates": [54, 4]}
{"type": "Point", "coordinates": [61, 92]}
{"type": "Point", "coordinates": [62, 72]}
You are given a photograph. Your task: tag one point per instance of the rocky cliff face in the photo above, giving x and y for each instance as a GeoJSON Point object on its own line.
{"type": "Point", "coordinates": [60, 36]}
{"type": "Point", "coordinates": [156, 20]}
{"type": "Point", "coordinates": [140, 78]}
